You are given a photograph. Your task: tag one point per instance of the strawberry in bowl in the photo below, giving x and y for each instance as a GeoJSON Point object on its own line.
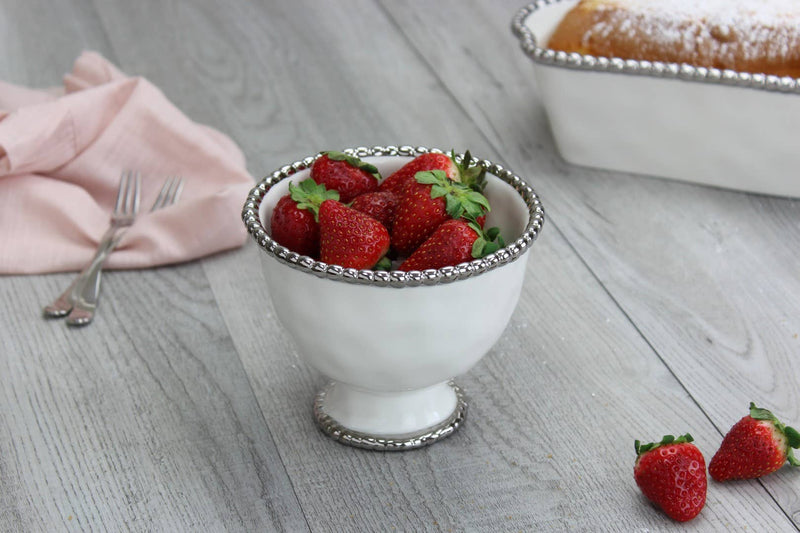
{"type": "Point", "coordinates": [376, 330]}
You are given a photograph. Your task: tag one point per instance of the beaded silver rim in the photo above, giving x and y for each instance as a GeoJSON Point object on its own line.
{"type": "Point", "coordinates": [426, 437]}
{"type": "Point", "coordinates": [394, 278]}
{"type": "Point", "coordinates": [574, 60]}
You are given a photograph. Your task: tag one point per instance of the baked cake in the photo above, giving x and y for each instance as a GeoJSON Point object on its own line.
{"type": "Point", "coordinates": [756, 36]}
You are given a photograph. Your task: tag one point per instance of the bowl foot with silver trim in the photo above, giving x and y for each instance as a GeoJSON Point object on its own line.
{"type": "Point", "coordinates": [389, 421]}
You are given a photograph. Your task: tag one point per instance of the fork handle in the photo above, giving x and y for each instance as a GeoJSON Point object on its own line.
{"type": "Point", "coordinates": [85, 296]}
{"type": "Point", "coordinates": [62, 305]}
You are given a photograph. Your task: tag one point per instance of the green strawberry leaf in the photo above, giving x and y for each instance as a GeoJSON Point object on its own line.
{"type": "Point", "coordinates": [384, 264]}
{"type": "Point", "coordinates": [792, 436]}
{"type": "Point", "coordinates": [473, 211]}
{"type": "Point", "coordinates": [453, 207]}
{"type": "Point", "coordinates": [431, 177]}
{"type": "Point", "coordinates": [308, 186]}
{"type": "Point", "coordinates": [791, 458]}
{"type": "Point", "coordinates": [479, 199]}
{"type": "Point", "coordinates": [309, 195]}
{"type": "Point", "coordinates": [761, 414]}
{"type": "Point", "coordinates": [478, 247]}
{"type": "Point", "coordinates": [459, 198]}
{"type": "Point", "coordinates": [641, 449]}
{"type": "Point", "coordinates": [473, 176]}
{"type": "Point", "coordinates": [476, 228]}
{"type": "Point", "coordinates": [438, 191]}
{"type": "Point", "coordinates": [490, 248]}
{"type": "Point", "coordinates": [488, 242]}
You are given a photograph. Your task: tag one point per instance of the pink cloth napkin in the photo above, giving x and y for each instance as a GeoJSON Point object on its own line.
{"type": "Point", "coordinates": [61, 155]}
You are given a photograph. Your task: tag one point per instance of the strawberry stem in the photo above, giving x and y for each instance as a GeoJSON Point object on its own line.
{"type": "Point", "coordinates": [473, 176]}
{"type": "Point", "coordinates": [460, 200]}
{"type": "Point", "coordinates": [310, 195]}
{"type": "Point", "coordinates": [641, 449]}
{"type": "Point", "coordinates": [383, 264]}
{"type": "Point", "coordinates": [792, 435]}
{"type": "Point", "coordinates": [488, 241]}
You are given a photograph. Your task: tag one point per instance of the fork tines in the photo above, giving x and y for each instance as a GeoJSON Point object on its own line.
{"type": "Point", "coordinates": [128, 193]}
{"type": "Point", "coordinates": [169, 193]}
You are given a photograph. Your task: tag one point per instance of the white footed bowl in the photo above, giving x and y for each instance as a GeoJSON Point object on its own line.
{"type": "Point", "coordinates": [391, 342]}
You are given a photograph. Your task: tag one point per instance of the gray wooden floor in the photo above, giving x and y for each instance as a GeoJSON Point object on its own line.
{"type": "Point", "coordinates": [649, 307]}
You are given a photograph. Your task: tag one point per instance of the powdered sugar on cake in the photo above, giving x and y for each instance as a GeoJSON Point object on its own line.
{"type": "Point", "coordinates": [731, 31]}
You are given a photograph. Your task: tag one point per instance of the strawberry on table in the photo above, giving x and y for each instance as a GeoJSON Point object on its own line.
{"type": "Point", "coordinates": [380, 205]}
{"type": "Point", "coordinates": [756, 445]}
{"type": "Point", "coordinates": [454, 241]}
{"type": "Point", "coordinates": [294, 219]}
{"type": "Point", "coordinates": [427, 201]}
{"type": "Point", "coordinates": [672, 474]}
{"type": "Point", "coordinates": [350, 238]}
{"type": "Point", "coordinates": [345, 173]}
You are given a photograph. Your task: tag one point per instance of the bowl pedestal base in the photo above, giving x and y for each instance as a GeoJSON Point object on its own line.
{"type": "Point", "coordinates": [389, 421]}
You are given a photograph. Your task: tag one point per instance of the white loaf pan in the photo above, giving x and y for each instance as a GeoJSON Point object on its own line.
{"type": "Point", "coordinates": [715, 127]}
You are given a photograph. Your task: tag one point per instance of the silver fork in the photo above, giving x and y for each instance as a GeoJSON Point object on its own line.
{"type": "Point", "coordinates": [124, 213]}
{"type": "Point", "coordinates": [85, 304]}
{"type": "Point", "coordinates": [79, 301]}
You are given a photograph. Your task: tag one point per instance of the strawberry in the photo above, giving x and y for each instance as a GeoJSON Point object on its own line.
{"type": "Point", "coordinates": [294, 219]}
{"type": "Point", "coordinates": [756, 445]}
{"type": "Point", "coordinates": [427, 201]}
{"type": "Point", "coordinates": [380, 205]}
{"type": "Point", "coordinates": [345, 173]}
{"type": "Point", "coordinates": [396, 181]}
{"type": "Point", "coordinates": [454, 241]}
{"type": "Point", "coordinates": [470, 176]}
{"type": "Point", "coordinates": [350, 238]}
{"type": "Point", "coordinates": [672, 474]}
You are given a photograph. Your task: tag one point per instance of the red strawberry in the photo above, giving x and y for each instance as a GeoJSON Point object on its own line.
{"type": "Point", "coordinates": [471, 176]}
{"type": "Point", "coordinates": [380, 205]}
{"type": "Point", "coordinates": [427, 201]}
{"type": "Point", "coordinates": [396, 181]}
{"type": "Point", "coordinates": [294, 219]}
{"type": "Point", "coordinates": [350, 238]}
{"type": "Point", "coordinates": [454, 241]}
{"type": "Point", "coordinates": [755, 446]}
{"type": "Point", "coordinates": [672, 474]}
{"type": "Point", "coordinates": [346, 174]}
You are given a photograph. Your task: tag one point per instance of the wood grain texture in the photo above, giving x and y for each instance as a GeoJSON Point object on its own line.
{"type": "Point", "coordinates": [50, 33]}
{"type": "Point", "coordinates": [143, 422]}
{"type": "Point", "coordinates": [707, 276]}
{"type": "Point", "coordinates": [146, 418]}
{"type": "Point", "coordinates": [649, 306]}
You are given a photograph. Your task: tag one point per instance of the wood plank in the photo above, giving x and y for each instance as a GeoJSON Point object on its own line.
{"type": "Point", "coordinates": [501, 469]}
{"type": "Point", "coordinates": [705, 275]}
{"type": "Point", "coordinates": [41, 39]}
{"type": "Point", "coordinates": [144, 419]}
